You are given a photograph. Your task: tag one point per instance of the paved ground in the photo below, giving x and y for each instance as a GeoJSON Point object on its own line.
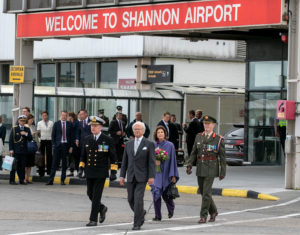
{"type": "Point", "coordinates": [40, 209]}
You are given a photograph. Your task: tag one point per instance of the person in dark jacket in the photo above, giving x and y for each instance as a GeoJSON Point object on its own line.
{"type": "Point", "coordinates": [124, 116]}
{"type": "Point", "coordinates": [2, 138]}
{"type": "Point", "coordinates": [74, 157]}
{"type": "Point", "coordinates": [19, 137]}
{"type": "Point", "coordinates": [138, 118]}
{"type": "Point", "coordinates": [97, 153]}
{"type": "Point", "coordinates": [198, 114]}
{"type": "Point", "coordinates": [62, 140]}
{"type": "Point", "coordinates": [172, 131]}
{"type": "Point", "coordinates": [191, 131]}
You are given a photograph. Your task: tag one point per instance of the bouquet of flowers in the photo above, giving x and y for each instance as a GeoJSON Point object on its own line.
{"type": "Point", "coordinates": [160, 156]}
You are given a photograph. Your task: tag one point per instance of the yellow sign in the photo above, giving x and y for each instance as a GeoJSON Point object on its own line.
{"type": "Point", "coordinates": [16, 74]}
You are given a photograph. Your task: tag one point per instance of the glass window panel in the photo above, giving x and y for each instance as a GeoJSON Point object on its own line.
{"type": "Point", "coordinates": [265, 75]}
{"type": "Point", "coordinates": [263, 146]}
{"type": "Point", "coordinates": [47, 75]}
{"type": "Point", "coordinates": [99, 1]}
{"type": "Point", "coordinates": [262, 108]}
{"type": "Point", "coordinates": [61, 3]}
{"type": "Point", "coordinates": [87, 75]}
{"type": "Point", "coordinates": [14, 5]}
{"type": "Point", "coordinates": [109, 75]}
{"type": "Point", "coordinates": [285, 72]}
{"type": "Point", "coordinates": [4, 74]}
{"type": "Point", "coordinates": [6, 106]}
{"type": "Point", "coordinates": [51, 108]}
{"type": "Point", "coordinates": [38, 4]}
{"type": "Point", "coordinates": [39, 106]}
{"type": "Point", "coordinates": [67, 75]}
{"type": "Point", "coordinates": [65, 104]}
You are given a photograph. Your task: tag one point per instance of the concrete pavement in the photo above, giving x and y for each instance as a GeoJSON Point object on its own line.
{"type": "Point", "coordinates": [41, 209]}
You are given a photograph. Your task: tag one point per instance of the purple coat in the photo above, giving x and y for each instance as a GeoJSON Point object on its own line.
{"type": "Point", "coordinates": [168, 170]}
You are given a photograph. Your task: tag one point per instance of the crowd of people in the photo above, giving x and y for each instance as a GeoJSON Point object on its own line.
{"type": "Point", "coordinates": [79, 142]}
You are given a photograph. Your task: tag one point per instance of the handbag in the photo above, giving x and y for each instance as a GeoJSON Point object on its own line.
{"type": "Point", "coordinates": [172, 191]}
{"type": "Point", "coordinates": [9, 163]}
{"type": "Point", "coordinates": [32, 147]}
{"type": "Point", "coordinates": [39, 159]}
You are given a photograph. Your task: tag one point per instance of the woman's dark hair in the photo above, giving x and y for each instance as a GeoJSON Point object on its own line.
{"type": "Point", "coordinates": [73, 115]}
{"type": "Point", "coordinates": [159, 128]}
{"type": "Point", "coordinates": [46, 112]}
{"type": "Point", "coordinates": [30, 116]}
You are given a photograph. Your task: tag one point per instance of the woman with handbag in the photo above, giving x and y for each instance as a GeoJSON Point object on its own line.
{"type": "Point", "coordinates": [166, 172]}
{"type": "Point", "coordinates": [32, 147]}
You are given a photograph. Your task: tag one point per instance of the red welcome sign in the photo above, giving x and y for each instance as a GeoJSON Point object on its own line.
{"type": "Point", "coordinates": [147, 18]}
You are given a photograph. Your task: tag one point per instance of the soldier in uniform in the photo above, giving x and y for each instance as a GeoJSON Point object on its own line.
{"type": "Point", "coordinates": [124, 116]}
{"type": "Point", "coordinates": [98, 150]}
{"type": "Point", "coordinates": [208, 151]}
{"type": "Point", "coordinates": [106, 119]}
{"type": "Point", "coordinates": [19, 137]}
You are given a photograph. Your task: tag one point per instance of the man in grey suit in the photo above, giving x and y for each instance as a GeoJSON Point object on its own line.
{"type": "Point", "coordinates": [139, 164]}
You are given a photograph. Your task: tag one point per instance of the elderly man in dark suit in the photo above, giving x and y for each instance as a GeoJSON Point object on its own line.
{"type": "Point", "coordinates": [139, 164]}
{"type": "Point", "coordinates": [62, 143]}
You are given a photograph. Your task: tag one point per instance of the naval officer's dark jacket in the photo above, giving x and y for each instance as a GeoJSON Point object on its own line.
{"type": "Point", "coordinates": [18, 142]}
{"type": "Point", "coordinates": [209, 154]}
{"type": "Point", "coordinates": [98, 155]}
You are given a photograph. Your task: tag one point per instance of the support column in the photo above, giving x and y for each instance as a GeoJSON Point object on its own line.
{"type": "Point", "coordinates": [292, 161]}
{"type": "Point", "coordinates": [23, 93]}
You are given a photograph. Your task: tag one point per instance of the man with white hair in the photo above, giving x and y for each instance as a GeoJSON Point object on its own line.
{"type": "Point", "coordinates": [139, 164]}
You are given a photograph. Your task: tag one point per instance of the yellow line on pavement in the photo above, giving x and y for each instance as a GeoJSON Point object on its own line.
{"type": "Point", "coordinates": [234, 193]}
{"type": "Point", "coordinates": [267, 197]}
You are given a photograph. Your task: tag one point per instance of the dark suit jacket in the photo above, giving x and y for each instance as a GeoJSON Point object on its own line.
{"type": "Point", "coordinates": [2, 133]}
{"type": "Point", "coordinates": [57, 134]}
{"type": "Point", "coordinates": [83, 132]}
{"type": "Point", "coordinates": [129, 130]}
{"type": "Point", "coordinates": [191, 131]}
{"type": "Point", "coordinates": [97, 160]}
{"type": "Point", "coordinates": [142, 165]}
{"type": "Point", "coordinates": [173, 133]}
{"type": "Point", "coordinates": [18, 142]}
{"type": "Point", "coordinates": [113, 129]}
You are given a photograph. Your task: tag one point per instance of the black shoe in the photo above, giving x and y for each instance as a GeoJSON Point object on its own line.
{"type": "Point", "coordinates": [136, 228]}
{"type": "Point", "coordinates": [29, 182]}
{"type": "Point", "coordinates": [13, 183]}
{"type": "Point", "coordinates": [102, 215]}
{"type": "Point", "coordinates": [91, 223]}
{"type": "Point", "coordinates": [156, 219]}
{"type": "Point", "coordinates": [62, 183]}
{"type": "Point", "coordinates": [170, 215]}
{"type": "Point", "coordinates": [49, 183]}
{"type": "Point", "coordinates": [23, 183]}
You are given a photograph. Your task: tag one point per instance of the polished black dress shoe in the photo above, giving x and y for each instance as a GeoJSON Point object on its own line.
{"type": "Point", "coordinates": [102, 215]}
{"type": "Point", "coordinates": [170, 215]}
{"type": "Point", "coordinates": [50, 183]}
{"type": "Point", "coordinates": [156, 219]}
{"type": "Point", "coordinates": [136, 228]}
{"type": "Point", "coordinates": [62, 183]}
{"type": "Point", "coordinates": [112, 177]}
{"type": "Point", "coordinates": [91, 223]}
{"type": "Point", "coordinates": [13, 183]}
{"type": "Point", "coordinates": [23, 183]}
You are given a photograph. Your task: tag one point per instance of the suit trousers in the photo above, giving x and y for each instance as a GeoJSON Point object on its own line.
{"type": "Point", "coordinates": [94, 192]}
{"type": "Point", "coordinates": [208, 204]}
{"type": "Point", "coordinates": [136, 191]}
{"type": "Point", "coordinates": [21, 160]}
{"type": "Point", "coordinates": [46, 149]}
{"type": "Point", "coordinates": [59, 153]}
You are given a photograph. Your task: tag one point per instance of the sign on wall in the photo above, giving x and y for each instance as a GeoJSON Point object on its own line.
{"type": "Point", "coordinates": [16, 74]}
{"type": "Point", "coordinates": [127, 84]}
{"type": "Point", "coordinates": [148, 18]}
{"type": "Point", "coordinates": [160, 73]}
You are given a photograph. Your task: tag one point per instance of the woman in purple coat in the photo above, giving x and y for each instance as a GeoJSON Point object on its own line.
{"type": "Point", "coordinates": [168, 174]}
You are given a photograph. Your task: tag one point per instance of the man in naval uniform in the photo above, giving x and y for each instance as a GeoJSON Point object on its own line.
{"type": "Point", "coordinates": [97, 152]}
{"type": "Point", "coordinates": [208, 152]}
